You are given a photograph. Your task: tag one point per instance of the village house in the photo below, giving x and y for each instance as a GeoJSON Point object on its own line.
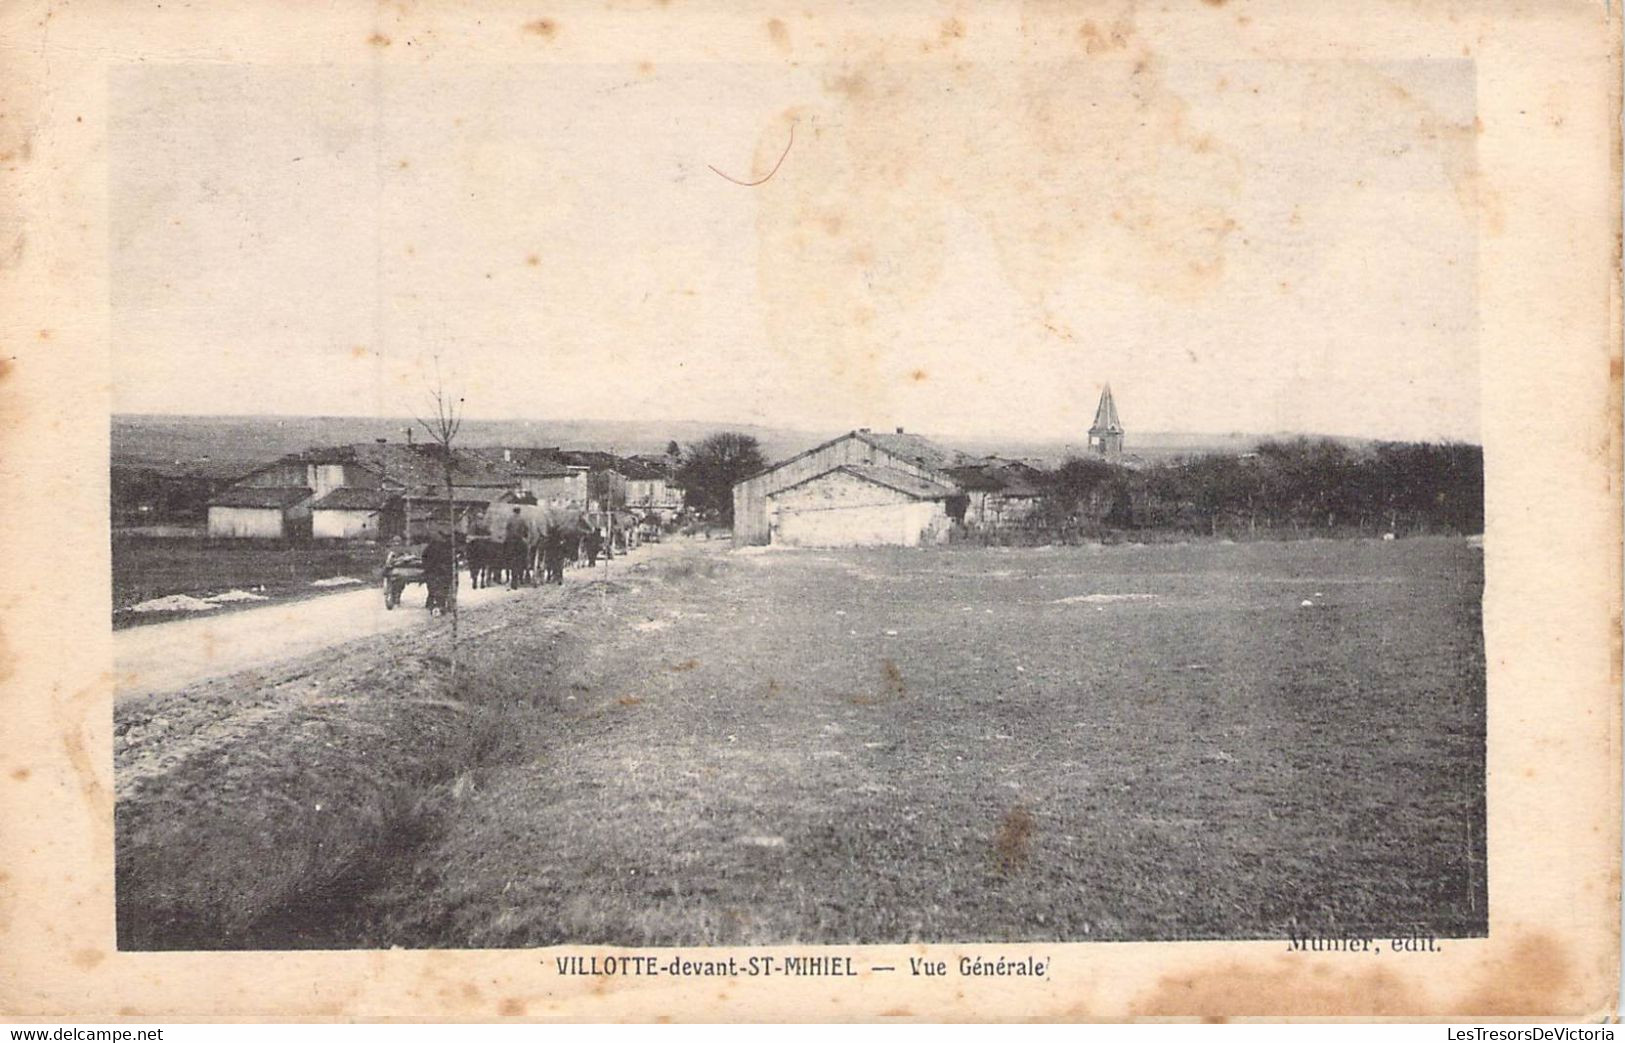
{"type": "Point", "coordinates": [358, 514]}
{"type": "Point", "coordinates": [998, 492]}
{"type": "Point", "coordinates": [260, 512]}
{"type": "Point", "coordinates": [264, 501]}
{"type": "Point", "coordinates": [556, 485]}
{"type": "Point", "coordinates": [542, 474]}
{"type": "Point", "coordinates": [605, 482]}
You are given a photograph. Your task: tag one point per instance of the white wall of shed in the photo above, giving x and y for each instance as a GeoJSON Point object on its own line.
{"type": "Point", "coordinates": [246, 522]}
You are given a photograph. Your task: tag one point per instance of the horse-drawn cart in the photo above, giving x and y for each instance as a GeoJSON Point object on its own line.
{"type": "Point", "coordinates": [406, 565]}
{"type": "Point", "coordinates": [401, 568]}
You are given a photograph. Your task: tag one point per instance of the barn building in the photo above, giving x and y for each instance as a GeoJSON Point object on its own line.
{"type": "Point", "coordinates": [260, 512]}
{"type": "Point", "coordinates": [879, 488]}
{"type": "Point", "coordinates": [859, 505]}
{"type": "Point", "coordinates": [357, 514]}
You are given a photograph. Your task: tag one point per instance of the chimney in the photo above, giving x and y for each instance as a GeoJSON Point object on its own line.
{"type": "Point", "coordinates": [381, 441]}
{"type": "Point", "coordinates": [899, 430]}
{"type": "Point", "coordinates": [863, 430]}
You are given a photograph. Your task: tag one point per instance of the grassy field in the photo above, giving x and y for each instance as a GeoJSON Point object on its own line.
{"type": "Point", "coordinates": [146, 567]}
{"type": "Point", "coordinates": [866, 746]}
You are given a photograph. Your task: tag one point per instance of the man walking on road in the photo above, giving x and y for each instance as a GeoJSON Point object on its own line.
{"type": "Point", "coordinates": [515, 548]}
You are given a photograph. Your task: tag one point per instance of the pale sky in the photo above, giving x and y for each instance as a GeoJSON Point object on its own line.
{"type": "Point", "coordinates": [967, 249]}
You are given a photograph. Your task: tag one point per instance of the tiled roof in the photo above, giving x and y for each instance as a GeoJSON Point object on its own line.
{"type": "Point", "coordinates": [591, 459]}
{"type": "Point", "coordinates": [351, 499]}
{"type": "Point", "coordinates": [270, 498]}
{"type": "Point", "coordinates": [913, 448]}
{"type": "Point", "coordinates": [638, 471]}
{"type": "Point", "coordinates": [414, 466]}
{"type": "Point", "coordinates": [1006, 477]}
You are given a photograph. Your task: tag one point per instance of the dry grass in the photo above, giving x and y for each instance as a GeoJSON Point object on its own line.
{"type": "Point", "coordinates": [864, 747]}
{"type": "Point", "coordinates": [1214, 761]}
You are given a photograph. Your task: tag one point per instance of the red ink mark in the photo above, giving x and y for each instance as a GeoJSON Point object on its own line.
{"type": "Point", "coordinates": [770, 173]}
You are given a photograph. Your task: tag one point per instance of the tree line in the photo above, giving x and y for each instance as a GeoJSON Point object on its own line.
{"type": "Point", "coordinates": [1285, 486]}
{"type": "Point", "coordinates": [1299, 485]}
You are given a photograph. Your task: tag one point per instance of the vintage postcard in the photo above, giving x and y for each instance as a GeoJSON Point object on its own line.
{"type": "Point", "coordinates": [1035, 509]}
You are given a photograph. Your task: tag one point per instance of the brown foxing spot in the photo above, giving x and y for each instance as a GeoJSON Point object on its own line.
{"type": "Point", "coordinates": [629, 700]}
{"type": "Point", "coordinates": [546, 28]}
{"type": "Point", "coordinates": [511, 1008]}
{"type": "Point", "coordinates": [1014, 842]}
{"type": "Point", "coordinates": [532, 260]}
{"type": "Point", "coordinates": [919, 374]}
{"type": "Point", "coordinates": [687, 664]}
{"type": "Point", "coordinates": [778, 34]}
{"type": "Point", "coordinates": [20, 774]}
{"type": "Point", "coordinates": [378, 40]}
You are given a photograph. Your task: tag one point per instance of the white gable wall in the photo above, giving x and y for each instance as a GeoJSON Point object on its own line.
{"type": "Point", "coordinates": [842, 510]}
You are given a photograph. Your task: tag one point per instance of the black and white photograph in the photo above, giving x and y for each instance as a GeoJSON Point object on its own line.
{"type": "Point", "coordinates": [836, 503]}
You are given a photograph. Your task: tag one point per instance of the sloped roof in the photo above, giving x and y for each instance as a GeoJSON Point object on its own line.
{"type": "Point", "coordinates": [998, 475]}
{"type": "Point", "coordinates": [1106, 421]}
{"type": "Point", "coordinates": [659, 461]}
{"type": "Point", "coordinates": [913, 448]}
{"type": "Point", "coordinates": [521, 460]}
{"type": "Point", "coordinates": [637, 470]}
{"type": "Point", "coordinates": [548, 471]}
{"type": "Point", "coordinates": [976, 478]}
{"type": "Point", "coordinates": [352, 499]}
{"type": "Point", "coordinates": [268, 498]}
{"type": "Point", "coordinates": [412, 465]}
{"type": "Point", "coordinates": [890, 477]}
{"type": "Point", "coordinates": [591, 459]}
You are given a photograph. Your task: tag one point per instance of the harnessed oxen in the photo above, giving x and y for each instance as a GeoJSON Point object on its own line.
{"type": "Point", "coordinates": [540, 525]}
{"type": "Point", "coordinates": [486, 564]}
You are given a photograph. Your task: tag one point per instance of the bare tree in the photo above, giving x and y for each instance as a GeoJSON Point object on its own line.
{"type": "Point", "coordinates": [442, 427]}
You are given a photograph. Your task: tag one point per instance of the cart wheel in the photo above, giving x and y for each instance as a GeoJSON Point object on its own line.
{"type": "Point", "coordinates": [392, 594]}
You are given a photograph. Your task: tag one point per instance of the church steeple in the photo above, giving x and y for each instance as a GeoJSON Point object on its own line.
{"type": "Point", "coordinates": [1106, 435]}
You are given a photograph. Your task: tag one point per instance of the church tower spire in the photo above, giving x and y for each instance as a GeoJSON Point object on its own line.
{"type": "Point", "coordinates": [1106, 434]}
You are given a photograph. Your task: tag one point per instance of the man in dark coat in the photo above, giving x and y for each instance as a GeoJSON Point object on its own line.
{"type": "Point", "coordinates": [439, 567]}
{"type": "Point", "coordinates": [553, 557]}
{"type": "Point", "coordinates": [593, 544]}
{"type": "Point", "coordinates": [516, 549]}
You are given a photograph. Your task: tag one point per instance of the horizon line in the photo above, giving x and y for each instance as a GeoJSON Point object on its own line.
{"type": "Point", "coordinates": [815, 432]}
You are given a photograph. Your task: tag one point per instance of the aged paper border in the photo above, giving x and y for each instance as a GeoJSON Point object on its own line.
{"type": "Point", "coordinates": [1548, 198]}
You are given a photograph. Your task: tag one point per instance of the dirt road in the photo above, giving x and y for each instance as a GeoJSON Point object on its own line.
{"type": "Point", "coordinates": [162, 657]}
